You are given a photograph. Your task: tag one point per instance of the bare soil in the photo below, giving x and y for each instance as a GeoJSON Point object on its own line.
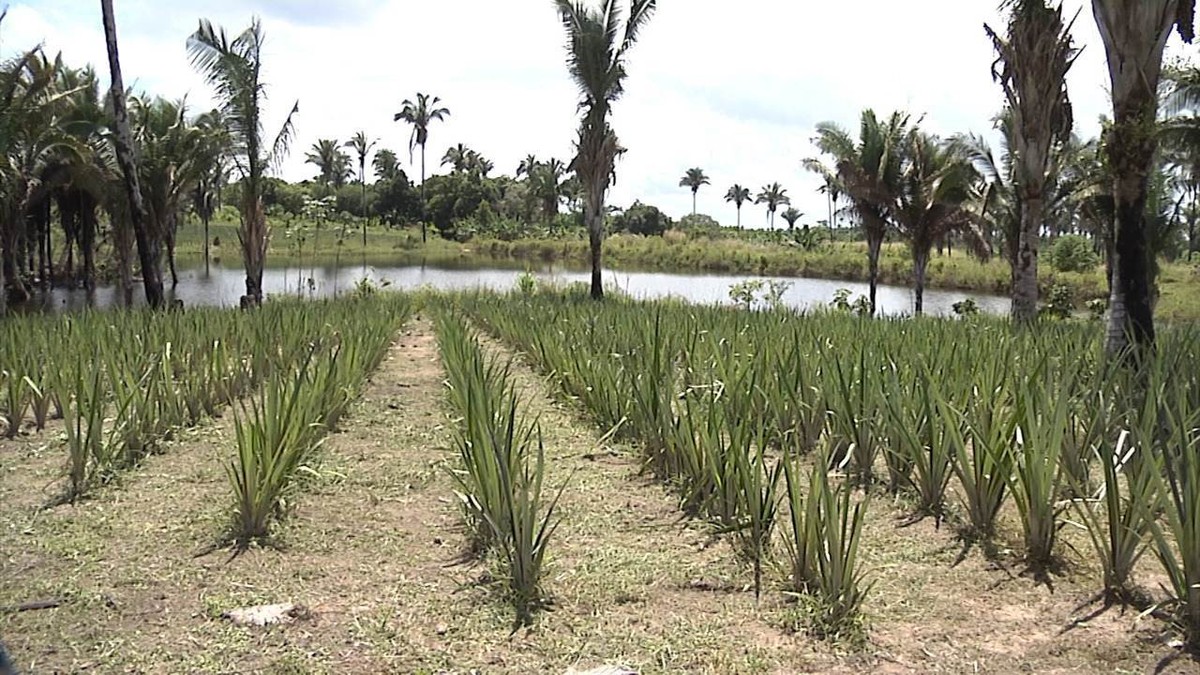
{"type": "Point", "coordinates": [373, 552]}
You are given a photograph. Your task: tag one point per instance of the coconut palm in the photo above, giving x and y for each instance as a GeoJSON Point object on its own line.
{"type": "Point", "coordinates": [362, 147]}
{"type": "Point", "coordinates": [791, 215]}
{"type": "Point", "coordinates": [867, 171]}
{"type": "Point", "coordinates": [386, 166]}
{"type": "Point", "coordinates": [935, 185]}
{"type": "Point", "coordinates": [213, 153]}
{"type": "Point", "coordinates": [773, 196]}
{"type": "Point", "coordinates": [1135, 34]}
{"type": "Point", "coordinates": [149, 243]}
{"type": "Point", "coordinates": [597, 43]}
{"type": "Point", "coordinates": [420, 114]}
{"type": "Point", "coordinates": [1034, 57]}
{"type": "Point", "coordinates": [694, 178]}
{"type": "Point", "coordinates": [324, 156]}
{"type": "Point", "coordinates": [546, 185]}
{"type": "Point", "coordinates": [233, 68]}
{"type": "Point", "coordinates": [172, 159]}
{"type": "Point", "coordinates": [738, 195]}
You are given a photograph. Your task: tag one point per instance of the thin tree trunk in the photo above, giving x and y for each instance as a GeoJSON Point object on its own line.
{"type": "Point", "coordinates": [693, 202]}
{"type": "Point", "coordinates": [147, 243]}
{"type": "Point", "coordinates": [595, 219]}
{"type": "Point", "coordinates": [423, 208]}
{"type": "Point", "coordinates": [204, 217]}
{"type": "Point", "coordinates": [87, 240]}
{"type": "Point", "coordinates": [920, 262]}
{"type": "Point", "coordinates": [362, 181]}
{"type": "Point", "coordinates": [739, 217]}
{"type": "Point", "coordinates": [1025, 272]}
{"type": "Point", "coordinates": [874, 246]}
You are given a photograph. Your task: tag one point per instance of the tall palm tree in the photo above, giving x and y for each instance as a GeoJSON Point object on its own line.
{"type": "Point", "coordinates": [362, 147]}
{"type": "Point", "coordinates": [935, 184]}
{"type": "Point", "coordinates": [738, 195]}
{"type": "Point", "coordinates": [324, 156]}
{"type": "Point", "coordinates": [597, 44]}
{"type": "Point", "coordinates": [148, 243]}
{"type": "Point", "coordinates": [868, 173]}
{"type": "Point", "coordinates": [420, 114]}
{"type": "Point", "coordinates": [546, 184]}
{"type": "Point", "coordinates": [1135, 35]}
{"type": "Point", "coordinates": [831, 191]}
{"type": "Point", "coordinates": [791, 215]}
{"type": "Point", "coordinates": [773, 196]}
{"type": "Point", "coordinates": [694, 179]}
{"type": "Point", "coordinates": [1034, 57]}
{"type": "Point", "coordinates": [385, 164]}
{"type": "Point", "coordinates": [214, 148]}
{"type": "Point", "coordinates": [233, 69]}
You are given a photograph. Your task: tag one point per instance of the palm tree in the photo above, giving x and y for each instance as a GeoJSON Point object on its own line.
{"type": "Point", "coordinates": [791, 215]}
{"type": "Point", "coordinates": [868, 172]}
{"type": "Point", "coordinates": [738, 195]}
{"type": "Point", "coordinates": [1035, 56]}
{"type": "Point", "coordinates": [773, 196]}
{"type": "Point", "coordinates": [173, 155]}
{"type": "Point", "coordinates": [362, 147]}
{"type": "Point", "coordinates": [385, 164]}
{"type": "Point", "coordinates": [420, 114]}
{"type": "Point", "coordinates": [458, 157]}
{"type": "Point", "coordinates": [214, 147]}
{"type": "Point", "coordinates": [830, 189]}
{"type": "Point", "coordinates": [527, 165]}
{"type": "Point", "coordinates": [324, 156]}
{"type": "Point", "coordinates": [149, 245]}
{"type": "Point", "coordinates": [1135, 34]}
{"type": "Point", "coordinates": [694, 178]}
{"type": "Point", "coordinates": [233, 68]}
{"type": "Point", "coordinates": [596, 47]}
{"type": "Point", "coordinates": [935, 183]}
{"type": "Point", "coordinates": [546, 185]}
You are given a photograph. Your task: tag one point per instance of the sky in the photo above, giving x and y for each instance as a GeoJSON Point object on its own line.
{"type": "Point", "coordinates": [733, 88]}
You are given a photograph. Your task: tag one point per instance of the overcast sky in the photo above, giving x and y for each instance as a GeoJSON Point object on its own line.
{"type": "Point", "coordinates": [733, 88]}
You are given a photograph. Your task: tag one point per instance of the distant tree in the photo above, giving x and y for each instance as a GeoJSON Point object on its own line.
{"type": "Point", "coordinates": [868, 172]}
{"type": "Point", "coordinates": [642, 219]}
{"type": "Point", "coordinates": [385, 164]}
{"type": "Point", "coordinates": [694, 179]}
{"type": "Point", "coordinates": [420, 115]}
{"type": "Point", "coordinates": [791, 215]}
{"type": "Point", "coordinates": [738, 195]}
{"type": "Point", "coordinates": [773, 196]}
{"type": "Point", "coordinates": [597, 42]}
{"type": "Point", "coordinates": [935, 183]}
{"type": "Point", "coordinates": [527, 165]}
{"type": "Point", "coordinates": [1034, 57]}
{"type": "Point", "coordinates": [458, 157]}
{"type": "Point", "coordinates": [324, 156]}
{"type": "Point", "coordinates": [362, 147]}
{"type": "Point", "coordinates": [233, 68]}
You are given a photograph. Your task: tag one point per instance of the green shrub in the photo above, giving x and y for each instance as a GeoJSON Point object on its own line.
{"type": "Point", "coordinates": [642, 219]}
{"type": "Point", "coordinates": [1073, 253]}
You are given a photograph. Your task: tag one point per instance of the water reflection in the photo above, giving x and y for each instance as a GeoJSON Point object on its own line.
{"type": "Point", "coordinates": [223, 286]}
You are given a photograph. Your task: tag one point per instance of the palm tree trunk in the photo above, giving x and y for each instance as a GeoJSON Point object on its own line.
{"type": "Point", "coordinates": [148, 246]}
{"type": "Point", "coordinates": [739, 217]}
{"type": "Point", "coordinates": [1025, 282]}
{"type": "Point", "coordinates": [920, 262]}
{"type": "Point", "coordinates": [595, 220]}
{"type": "Point", "coordinates": [362, 181]}
{"type": "Point", "coordinates": [693, 202]}
{"type": "Point", "coordinates": [874, 246]}
{"type": "Point", "coordinates": [205, 218]}
{"type": "Point", "coordinates": [423, 209]}
{"type": "Point", "coordinates": [87, 240]}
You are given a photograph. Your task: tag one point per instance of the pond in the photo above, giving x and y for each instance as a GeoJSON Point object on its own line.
{"type": "Point", "coordinates": [223, 286]}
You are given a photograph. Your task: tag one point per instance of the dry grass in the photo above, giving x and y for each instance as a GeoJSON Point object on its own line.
{"type": "Point", "coordinates": [371, 551]}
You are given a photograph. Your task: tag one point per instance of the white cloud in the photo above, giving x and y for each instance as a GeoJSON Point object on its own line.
{"type": "Point", "coordinates": [733, 88]}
